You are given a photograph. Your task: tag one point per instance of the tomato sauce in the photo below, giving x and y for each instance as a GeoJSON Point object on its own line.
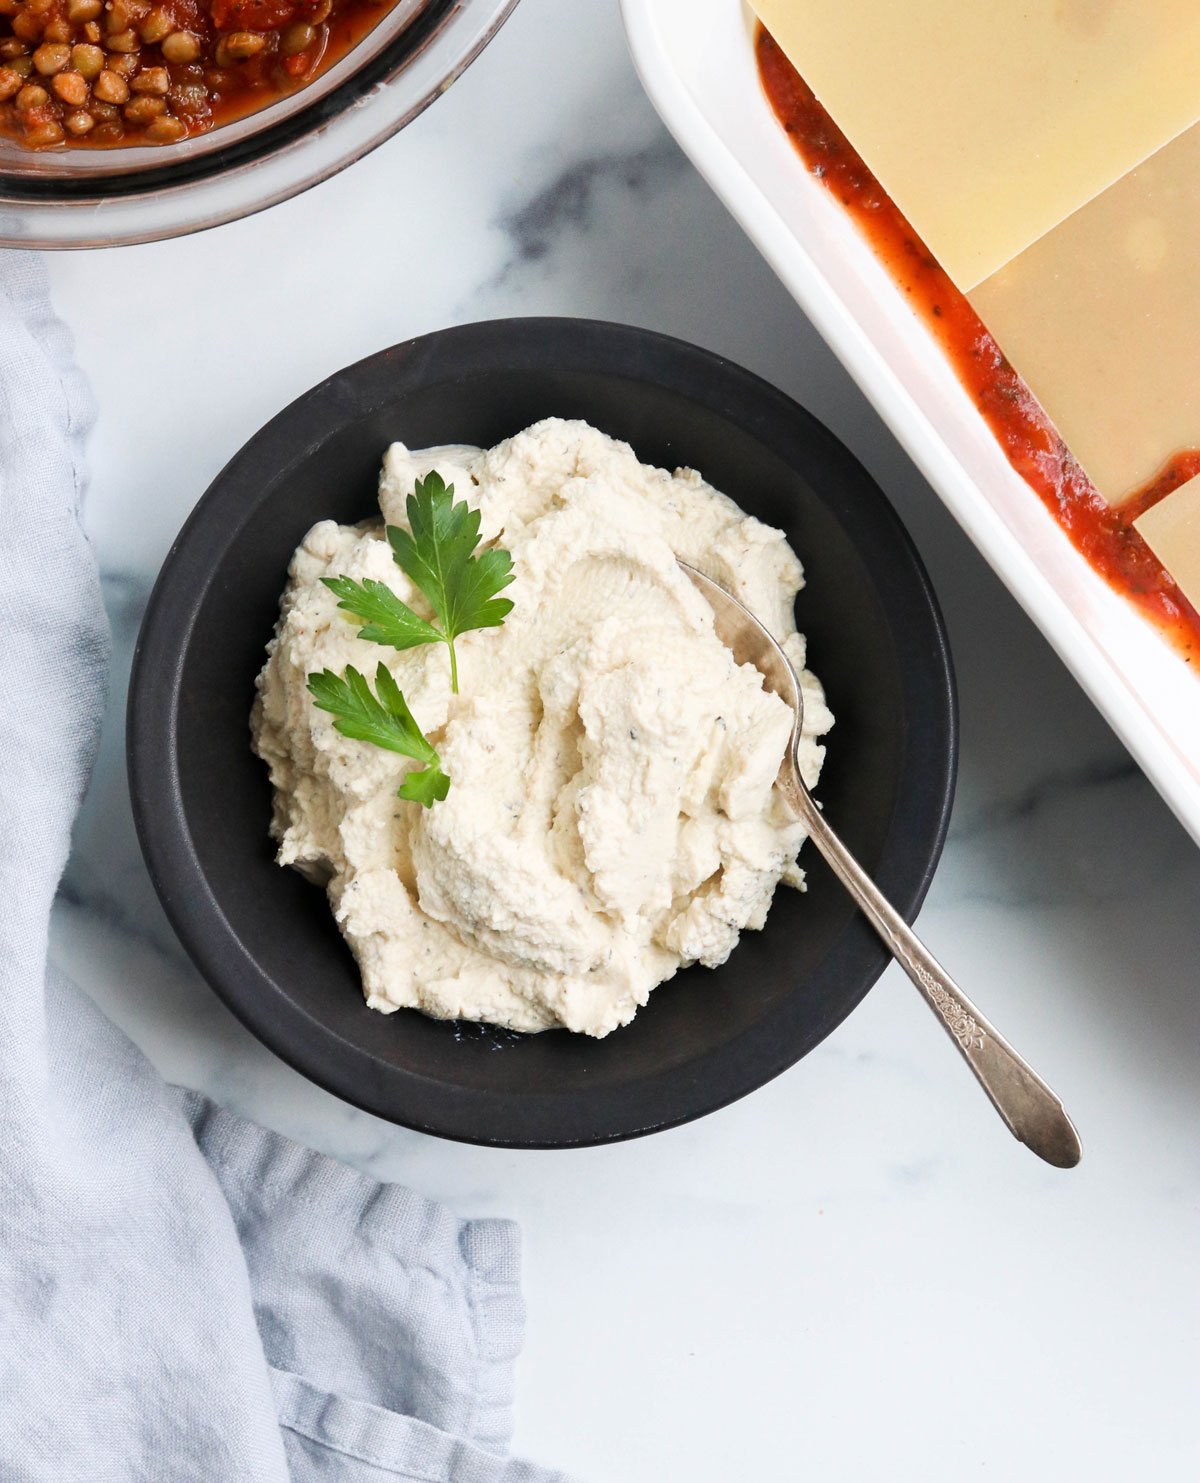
{"type": "Point", "coordinates": [348, 23]}
{"type": "Point", "coordinates": [1103, 534]}
{"type": "Point", "coordinates": [100, 73]}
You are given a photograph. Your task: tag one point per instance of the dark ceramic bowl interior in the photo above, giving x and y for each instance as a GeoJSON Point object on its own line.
{"type": "Point", "coordinates": [265, 938]}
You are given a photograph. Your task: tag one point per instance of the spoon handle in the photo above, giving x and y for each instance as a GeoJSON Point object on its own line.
{"type": "Point", "coordinates": [1031, 1110]}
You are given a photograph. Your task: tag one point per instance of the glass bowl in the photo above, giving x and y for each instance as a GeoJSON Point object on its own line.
{"type": "Point", "coordinates": [108, 197]}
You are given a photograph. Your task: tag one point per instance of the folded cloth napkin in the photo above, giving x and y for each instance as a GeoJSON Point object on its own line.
{"type": "Point", "coordinates": [183, 1296]}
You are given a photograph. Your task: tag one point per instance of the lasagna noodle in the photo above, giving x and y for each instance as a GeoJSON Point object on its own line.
{"type": "Point", "coordinates": [990, 124]}
{"type": "Point", "coordinates": [1171, 529]}
{"type": "Point", "coordinates": [1101, 318]}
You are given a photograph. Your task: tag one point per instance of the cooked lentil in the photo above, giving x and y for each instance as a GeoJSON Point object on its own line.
{"type": "Point", "coordinates": [71, 88]}
{"type": "Point", "coordinates": [151, 80]}
{"type": "Point", "coordinates": [137, 72]}
{"type": "Point", "coordinates": [111, 87]}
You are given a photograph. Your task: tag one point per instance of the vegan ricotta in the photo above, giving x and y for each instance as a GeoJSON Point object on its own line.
{"type": "Point", "coordinates": [612, 814]}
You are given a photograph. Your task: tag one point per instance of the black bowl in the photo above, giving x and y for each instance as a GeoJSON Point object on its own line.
{"type": "Point", "coordinates": [265, 938]}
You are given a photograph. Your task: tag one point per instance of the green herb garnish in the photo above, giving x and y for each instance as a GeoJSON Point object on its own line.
{"type": "Point", "coordinates": [439, 558]}
{"type": "Point", "coordinates": [387, 620]}
{"type": "Point", "coordinates": [384, 720]}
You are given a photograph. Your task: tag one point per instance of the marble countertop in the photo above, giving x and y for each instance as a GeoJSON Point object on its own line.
{"type": "Point", "coordinates": [854, 1273]}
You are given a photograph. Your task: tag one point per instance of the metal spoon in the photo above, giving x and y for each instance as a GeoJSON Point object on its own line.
{"type": "Point", "coordinates": [1031, 1110]}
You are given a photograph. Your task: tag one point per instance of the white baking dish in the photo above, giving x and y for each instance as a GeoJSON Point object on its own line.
{"type": "Point", "coordinates": [696, 61]}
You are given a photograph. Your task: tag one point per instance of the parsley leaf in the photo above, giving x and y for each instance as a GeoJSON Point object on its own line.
{"type": "Point", "coordinates": [439, 557]}
{"type": "Point", "coordinates": [385, 721]}
{"type": "Point", "coordinates": [387, 620]}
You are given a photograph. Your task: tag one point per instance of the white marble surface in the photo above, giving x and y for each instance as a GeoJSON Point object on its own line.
{"type": "Point", "coordinates": [854, 1273]}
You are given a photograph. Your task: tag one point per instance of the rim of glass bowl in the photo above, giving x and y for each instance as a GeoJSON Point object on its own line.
{"type": "Point", "coordinates": [100, 198]}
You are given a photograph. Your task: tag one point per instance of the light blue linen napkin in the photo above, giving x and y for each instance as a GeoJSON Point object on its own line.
{"type": "Point", "coordinates": [183, 1296]}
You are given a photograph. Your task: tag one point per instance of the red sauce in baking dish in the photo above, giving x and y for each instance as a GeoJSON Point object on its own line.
{"type": "Point", "coordinates": [1104, 535]}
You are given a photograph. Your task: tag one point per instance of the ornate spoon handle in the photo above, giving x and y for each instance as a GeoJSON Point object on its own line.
{"type": "Point", "coordinates": [1031, 1110]}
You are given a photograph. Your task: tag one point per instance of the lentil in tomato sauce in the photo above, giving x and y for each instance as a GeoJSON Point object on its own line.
{"type": "Point", "coordinates": [1104, 534]}
{"type": "Point", "coordinates": [108, 72]}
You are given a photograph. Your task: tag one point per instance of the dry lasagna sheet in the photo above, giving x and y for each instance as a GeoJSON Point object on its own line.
{"type": "Point", "coordinates": [1049, 156]}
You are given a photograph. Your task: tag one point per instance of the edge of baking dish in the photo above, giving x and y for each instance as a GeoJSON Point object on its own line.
{"type": "Point", "coordinates": [695, 59]}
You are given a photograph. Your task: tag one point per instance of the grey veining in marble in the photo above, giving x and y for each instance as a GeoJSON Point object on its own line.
{"type": "Point", "coordinates": [853, 1274]}
{"type": "Point", "coordinates": [574, 200]}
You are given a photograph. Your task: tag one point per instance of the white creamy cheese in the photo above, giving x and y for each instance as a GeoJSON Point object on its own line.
{"type": "Point", "coordinates": [612, 813]}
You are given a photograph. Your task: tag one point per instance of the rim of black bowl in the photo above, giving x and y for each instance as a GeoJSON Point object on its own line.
{"type": "Point", "coordinates": [915, 835]}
